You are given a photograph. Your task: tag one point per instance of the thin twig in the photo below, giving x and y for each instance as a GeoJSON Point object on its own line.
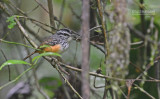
{"type": "Point", "coordinates": [142, 90]}
{"type": "Point", "coordinates": [32, 32]}
{"type": "Point", "coordinates": [38, 86]}
{"type": "Point", "coordinates": [104, 76]}
{"type": "Point", "coordinates": [100, 26]}
{"type": "Point", "coordinates": [69, 84]}
{"type": "Point", "coordinates": [51, 14]}
{"type": "Point", "coordinates": [103, 27]}
{"type": "Point", "coordinates": [138, 47]}
{"type": "Point", "coordinates": [94, 84]}
{"type": "Point", "coordinates": [32, 9]}
{"type": "Point", "coordinates": [9, 71]}
{"type": "Point", "coordinates": [74, 13]}
{"type": "Point", "coordinates": [17, 78]}
{"type": "Point", "coordinates": [33, 44]}
{"type": "Point", "coordinates": [137, 43]}
{"type": "Point", "coordinates": [61, 12]}
{"type": "Point", "coordinates": [158, 77]}
{"type": "Point", "coordinates": [98, 47]}
{"type": "Point", "coordinates": [100, 10]}
{"type": "Point", "coordinates": [54, 18]}
{"type": "Point", "coordinates": [139, 33]}
{"type": "Point", "coordinates": [31, 19]}
{"type": "Point", "coordinates": [23, 31]}
{"type": "Point", "coordinates": [34, 20]}
{"type": "Point", "coordinates": [42, 6]}
{"type": "Point", "coordinates": [56, 66]}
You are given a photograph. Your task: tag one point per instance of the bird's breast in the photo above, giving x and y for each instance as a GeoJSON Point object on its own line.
{"type": "Point", "coordinates": [56, 48]}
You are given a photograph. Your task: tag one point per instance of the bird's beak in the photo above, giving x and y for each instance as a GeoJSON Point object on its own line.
{"type": "Point", "coordinates": [75, 36]}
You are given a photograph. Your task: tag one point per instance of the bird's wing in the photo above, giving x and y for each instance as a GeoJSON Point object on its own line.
{"type": "Point", "coordinates": [52, 40]}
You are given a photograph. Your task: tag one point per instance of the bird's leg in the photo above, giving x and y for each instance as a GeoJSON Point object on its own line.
{"type": "Point", "coordinates": [59, 59]}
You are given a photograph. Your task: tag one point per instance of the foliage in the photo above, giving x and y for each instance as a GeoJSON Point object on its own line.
{"type": "Point", "coordinates": [11, 21]}
{"type": "Point", "coordinates": [121, 68]}
{"type": "Point", "coordinates": [13, 62]}
{"type": "Point", "coordinates": [36, 58]}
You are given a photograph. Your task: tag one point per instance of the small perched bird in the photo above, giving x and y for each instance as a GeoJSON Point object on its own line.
{"type": "Point", "coordinates": [56, 43]}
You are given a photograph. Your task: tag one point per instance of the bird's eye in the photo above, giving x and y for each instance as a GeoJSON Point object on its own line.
{"type": "Point", "coordinates": [66, 34]}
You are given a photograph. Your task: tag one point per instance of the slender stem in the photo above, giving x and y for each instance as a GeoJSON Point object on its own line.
{"type": "Point", "coordinates": [103, 27]}
{"type": "Point", "coordinates": [18, 77]}
{"type": "Point", "coordinates": [23, 31]}
{"type": "Point", "coordinates": [142, 90]}
{"type": "Point", "coordinates": [85, 49]}
{"type": "Point", "coordinates": [42, 6]}
{"type": "Point", "coordinates": [108, 77]}
{"type": "Point", "coordinates": [51, 15]}
{"type": "Point", "coordinates": [106, 41]}
{"type": "Point", "coordinates": [69, 84]}
{"type": "Point", "coordinates": [61, 12]}
{"type": "Point", "coordinates": [9, 71]}
{"type": "Point", "coordinates": [38, 86]}
{"type": "Point", "coordinates": [4, 41]}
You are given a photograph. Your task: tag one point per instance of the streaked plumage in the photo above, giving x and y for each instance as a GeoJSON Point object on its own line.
{"type": "Point", "coordinates": [58, 42]}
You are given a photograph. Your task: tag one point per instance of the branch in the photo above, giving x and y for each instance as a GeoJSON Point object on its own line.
{"type": "Point", "coordinates": [25, 33]}
{"type": "Point", "coordinates": [47, 58]}
{"type": "Point", "coordinates": [104, 76]}
{"type": "Point", "coordinates": [9, 70]}
{"type": "Point", "coordinates": [61, 12]}
{"type": "Point", "coordinates": [139, 34]}
{"type": "Point", "coordinates": [38, 86]}
{"type": "Point", "coordinates": [142, 90]}
{"type": "Point", "coordinates": [74, 13]}
{"type": "Point", "coordinates": [103, 27]}
{"type": "Point", "coordinates": [42, 6]}
{"type": "Point", "coordinates": [33, 44]}
{"type": "Point", "coordinates": [54, 18]}
{"type": "Point", "coordinates": [85, 49]}
{"type": "Point", "coordinates": [51, 15]}
{"type": "Point", "coordinates": [56, 65]}
{"type": "Point", "coordinates": [106, 41]}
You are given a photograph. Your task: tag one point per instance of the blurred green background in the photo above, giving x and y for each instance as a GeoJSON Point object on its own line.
{"type": "Point", "coordinates": [49, 79]}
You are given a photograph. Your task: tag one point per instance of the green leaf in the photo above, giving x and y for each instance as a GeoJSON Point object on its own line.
{"type": "Point", "coordinates": [11, 21]}
{"type": "Point", "coordinates": [44, 46]}
{"type": "Point", "coordinates": [11, 25]}
{"type": "Point", "coordinates": [99, 31]}
{"type": "Point", "coordinates": [44, 54]}
{"type": "Point", "coordinates": [4, 41]}
{"type": "Point", "coordinates": [12, 62]}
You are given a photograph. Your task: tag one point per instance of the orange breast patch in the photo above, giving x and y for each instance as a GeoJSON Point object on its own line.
{"type": "Point", "coordinates": [55, 48]}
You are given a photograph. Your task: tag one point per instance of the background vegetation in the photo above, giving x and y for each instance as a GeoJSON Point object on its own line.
{"type": "Point", "coordinates": [123, 49]}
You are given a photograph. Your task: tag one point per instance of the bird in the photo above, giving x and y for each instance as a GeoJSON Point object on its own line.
{"type": "Point", "coordinates": [57, 43]}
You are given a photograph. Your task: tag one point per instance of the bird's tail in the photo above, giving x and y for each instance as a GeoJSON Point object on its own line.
{"type": "Point", "coordinates": [29, 55]}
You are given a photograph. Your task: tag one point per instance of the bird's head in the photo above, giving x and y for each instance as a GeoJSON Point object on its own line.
{"type": "Point", "coordinates": [67, 34]}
